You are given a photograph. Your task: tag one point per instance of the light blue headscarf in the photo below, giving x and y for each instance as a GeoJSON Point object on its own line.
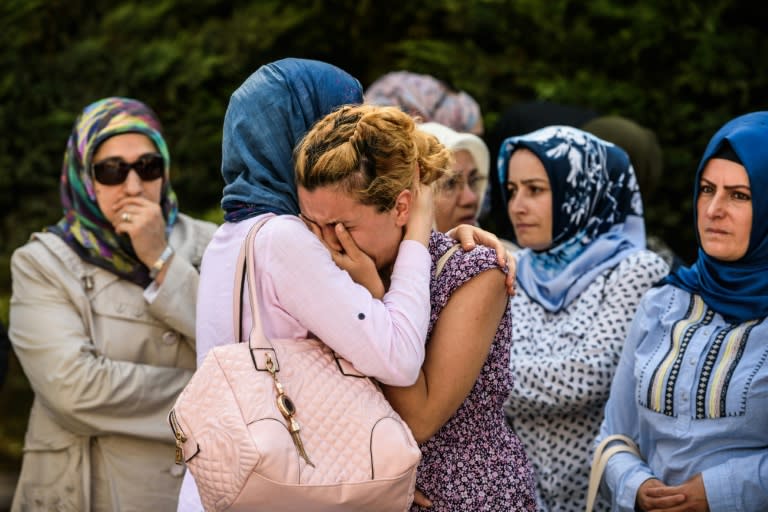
{"type": "Point", "coordinates": [597, 217]}
{"type": "Point", "coordinates": [738, 290]}
{"type": "Point", "coordinates": [266, 118]}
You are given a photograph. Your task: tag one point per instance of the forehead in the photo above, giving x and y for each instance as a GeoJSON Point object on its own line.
{"type": "Point", "coordinates": [125, 145]}
{"type": "Point", "coordinates": [463, 159]}
{"type": "Point", "coordinates": [525, 165]}
{"type": "Point", "coordinates": [725, 171]}
{"type": "Point", "coordinates": [329, 205]}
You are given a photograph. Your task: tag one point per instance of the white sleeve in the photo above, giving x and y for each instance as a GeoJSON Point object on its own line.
{"type": "Point", "coordinates": [381, 338]}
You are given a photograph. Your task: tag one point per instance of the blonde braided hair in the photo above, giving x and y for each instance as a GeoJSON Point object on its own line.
{"type": "Point", "coordinates": [372, 152]}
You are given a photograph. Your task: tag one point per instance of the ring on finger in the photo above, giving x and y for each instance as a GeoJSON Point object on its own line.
{"type": "Point", "coordinates": [126, 217]}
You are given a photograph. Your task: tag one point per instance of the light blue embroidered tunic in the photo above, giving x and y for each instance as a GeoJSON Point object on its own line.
{"type": "Point", "coordinates": [692, 390]}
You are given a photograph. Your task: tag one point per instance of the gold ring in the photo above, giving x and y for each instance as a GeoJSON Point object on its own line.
{"type": "Point", "coordinates": [126, 217]}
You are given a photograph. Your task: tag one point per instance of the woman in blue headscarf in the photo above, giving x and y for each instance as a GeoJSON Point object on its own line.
{"type": "Point", "coordinates": [266, 118]}
{"type": "Point", "coordinates": [691, 388]}
{"type": "Point", "coordinates": [301, 290]}
{"type": "Point", "coordinates": [575, 208]}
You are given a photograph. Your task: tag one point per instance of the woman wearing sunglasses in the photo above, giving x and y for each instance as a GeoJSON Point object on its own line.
{"type": "Point", "coordinates": [102, 319]}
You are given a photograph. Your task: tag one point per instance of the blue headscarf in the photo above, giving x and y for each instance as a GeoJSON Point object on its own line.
{"type": "Point", "coordinates": [266, 118]}
{"type": "Point", "coordinates": [597, 217]}
{"type": "Point", "coordinates": [738, 290]}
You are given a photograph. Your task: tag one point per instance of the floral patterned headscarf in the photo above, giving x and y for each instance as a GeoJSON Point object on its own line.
{"type": "Point", "coordinates": [428, 98]}
{"type": "Point", "coordinates": [84, 227]}
{"type": "Point", "coordinates": [597, 217]}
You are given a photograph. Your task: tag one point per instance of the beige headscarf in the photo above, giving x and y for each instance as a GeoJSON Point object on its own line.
{"type": "Point", "coordinates": [456, 141]}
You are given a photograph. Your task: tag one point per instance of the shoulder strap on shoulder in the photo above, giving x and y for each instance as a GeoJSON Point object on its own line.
{"type": "Point", "coordinates": [245, 259]}
{"type": "Point", "coordinates": [444, 258]}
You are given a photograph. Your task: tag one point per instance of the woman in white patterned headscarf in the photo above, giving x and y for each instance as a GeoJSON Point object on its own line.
{"type": "Point", "coordinates": [575, 207]}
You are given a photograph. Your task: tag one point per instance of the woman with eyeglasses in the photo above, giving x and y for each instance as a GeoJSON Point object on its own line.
{"type": "Point", "coordinates": [458, 194]}
{"type": "Point", "coordinates": [102, 319]}
{"type": "Point", "coordinates": [575, 207]}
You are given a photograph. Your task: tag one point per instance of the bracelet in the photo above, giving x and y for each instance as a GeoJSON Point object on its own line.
{"type": "Point", "coordinates": [158, 265]}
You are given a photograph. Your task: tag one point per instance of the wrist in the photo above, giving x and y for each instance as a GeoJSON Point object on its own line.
{"type": "Point", "coordinates": [159, 265]}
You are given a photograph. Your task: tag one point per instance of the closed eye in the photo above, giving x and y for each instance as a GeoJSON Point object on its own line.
{"type": "Point", "coordinates": [307, 219]}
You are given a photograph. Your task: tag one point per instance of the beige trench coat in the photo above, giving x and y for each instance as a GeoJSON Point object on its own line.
{"type": "Point", "coordinates": [105, 366]}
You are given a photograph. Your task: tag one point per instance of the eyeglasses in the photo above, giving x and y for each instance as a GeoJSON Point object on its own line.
{"type": "Point", "coordinates": [114, 170]}
{"type": "Point", "coordinates": [453, 184]}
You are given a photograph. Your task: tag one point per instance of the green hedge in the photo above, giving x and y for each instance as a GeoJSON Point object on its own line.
{"type": "Point", "coordinates": [681, 67]}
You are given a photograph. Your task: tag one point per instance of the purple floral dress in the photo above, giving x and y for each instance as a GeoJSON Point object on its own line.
{"type": "Point", "coordinates": [475, 461]}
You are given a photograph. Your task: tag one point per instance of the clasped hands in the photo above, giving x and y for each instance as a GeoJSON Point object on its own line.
{"type": "Point", "coordinates": [690, 496]}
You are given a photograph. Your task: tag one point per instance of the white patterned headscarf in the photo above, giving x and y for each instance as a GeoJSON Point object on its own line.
{"type": "Point", "coordinates": [597, 212]}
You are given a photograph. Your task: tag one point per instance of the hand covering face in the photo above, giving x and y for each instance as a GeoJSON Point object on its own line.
{"type": "Point", "coordinates": [84, 227]}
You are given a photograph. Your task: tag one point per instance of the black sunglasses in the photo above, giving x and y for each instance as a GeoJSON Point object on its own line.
{"type": "Point", "coordinates": [113, 171]}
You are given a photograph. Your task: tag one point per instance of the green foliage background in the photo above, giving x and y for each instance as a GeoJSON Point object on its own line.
{"type": "Point", "coordinates": [680, 67]}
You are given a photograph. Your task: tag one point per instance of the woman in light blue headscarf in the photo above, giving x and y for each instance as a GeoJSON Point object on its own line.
{"type": "Point", "coordinates": [596, 212]}
{"type": "Point", "coordinates": [575, 207]}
